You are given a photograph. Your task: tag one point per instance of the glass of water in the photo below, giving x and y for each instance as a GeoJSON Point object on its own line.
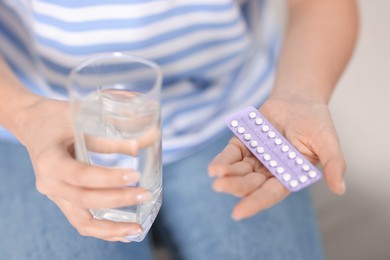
{"type": "Point", "coordinates": [115, 101]}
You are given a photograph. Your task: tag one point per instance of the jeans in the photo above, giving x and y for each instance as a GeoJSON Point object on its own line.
{"type": "Point", "coordinates": [194, 222]}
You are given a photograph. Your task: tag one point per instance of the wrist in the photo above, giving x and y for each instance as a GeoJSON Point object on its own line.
{"type": "Point", "coordinates": [302, 93]}
{"type": "Point", "coordinates": [16, 102]}
{"type": "Point", "coordinates": [281, 105]}
{"type": "Point", "coordinates": [18, 114]}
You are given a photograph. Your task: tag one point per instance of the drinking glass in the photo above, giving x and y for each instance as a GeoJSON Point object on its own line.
{"type": "Point", "coordinates": [115, 104]}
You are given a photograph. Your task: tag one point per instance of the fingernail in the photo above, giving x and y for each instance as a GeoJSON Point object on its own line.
{"type": "Point", "coordinates": [216, 174]}
{"type": "Point", "coordinates": [124, 240]}
{"type": "Point", "coordinates": [343, 188]}
{"type": "Point", "coordinates": [135, 232]}
{"type": "Point", "coordinates": [236, 218]}
{"type": "Point", "coordinates": [217, 188]}
{"type": "Point", "coordinates": [213, 173]}
{"type": "Point", "coordinates": [131, 178]}
{"type": "Point", "coordinates": [220, 174]}
{"type": "Point", "coordinates": [143, 197]}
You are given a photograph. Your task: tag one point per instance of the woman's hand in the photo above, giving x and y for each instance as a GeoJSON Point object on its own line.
{"type": "Point", "coordinates": [309, 127]}
{"type": "Point", "coordinates": [75, 186]}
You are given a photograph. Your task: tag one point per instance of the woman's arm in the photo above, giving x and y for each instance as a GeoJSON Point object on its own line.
{"type": "Point", "coordinates": [319, 41]}
{"type": "Point", "coordinates": [44, 126]}
{"type": "Point", "coordinates": [15, 101]}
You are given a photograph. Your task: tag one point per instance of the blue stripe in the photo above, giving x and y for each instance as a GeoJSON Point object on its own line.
{"type": "Point", "coordinates": [137, 45]}
{"type": "Point", "coordinates": [173, 154]}
{"type": "Point", "coordinates": [194, 72]}
{"type": "Point", "coordinates": [87, 3]}
{"type": "Point", "coordinates": [163, 60]}
{"type": "Point", "coordinates": [23, 77]}
{"type": "Point", "coordinates": [272, 51]}
{"type": "Point", "coordinates": [198, 48]}
{"type": "Point", "coordinates": [196, 91]}
{"type": "Point", "coordinates": [179, 76]}
{"type": "Point", "coordinates": [222, 99]}
{"type": "Point", "coordinates": [59, 89]}
{"type": "Point", "coordinates": [216, 103]}
{"type": "Point", "coordinates": [269, 70]}
{"type": "Point", "coordinates": [199, 70]}
{"type": "Point", "coordinates": [193, 91]}
{"type": "Point", "coordinates": [10, 35]}
{"type": "Point", "coordinates": [53, 66]}
{"type": "Point", "coordinates": [15, 40]}
{"type": "Point", "coordinates": [129, 23]}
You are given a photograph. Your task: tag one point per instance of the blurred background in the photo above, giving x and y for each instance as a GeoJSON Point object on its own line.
{"type": "Point", "coordinates": [356, 226]}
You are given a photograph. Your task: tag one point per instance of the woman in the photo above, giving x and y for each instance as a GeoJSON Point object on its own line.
{"type": "Point", "coordinates": [217, 57]}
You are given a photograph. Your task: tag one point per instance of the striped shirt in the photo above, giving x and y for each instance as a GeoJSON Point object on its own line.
{"type": "Point", "coordinates": [217, 56]}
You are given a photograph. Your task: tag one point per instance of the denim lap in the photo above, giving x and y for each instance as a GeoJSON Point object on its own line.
{"type": "Point", "coordinates": [194, 221]}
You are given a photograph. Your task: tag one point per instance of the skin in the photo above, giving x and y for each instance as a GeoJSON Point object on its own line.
{"type": "Point", "coordinates": [309, 67]}
{"type": "Point", "coordinates": [318, 44]}
{"type": "Point", "coordinates": [44, 126]}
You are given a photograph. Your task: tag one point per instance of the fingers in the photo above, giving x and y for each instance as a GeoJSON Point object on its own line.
{"type": "Point", "coordinates": [86, 225]}
{"type": "Point", "coordinates": [83, 175]}
{"type": "Point", "coordinates": [94, 198]}
{"type": "Point", "coordinates": [231, 154]}
{"type": "Point", "coordinates": [332, 160]}
{"type": "Point", "coordinates": [80, 174]}
{"type": "Point", "coordinates": [115, 239]}
{"type": "Point", "coordinates": [270, 193]}
{"type": "Point", "coordinates": [129, 146]}
{"type": "Point", "coordinates": [236, 169]}
{"type": "Point", "coordinates": [240, 186]}
{"type": "Point", "coordinates": [108, 230]}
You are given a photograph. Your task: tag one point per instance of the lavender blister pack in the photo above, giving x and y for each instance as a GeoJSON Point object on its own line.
{"type": "Point", "coordinates": [272, 149]}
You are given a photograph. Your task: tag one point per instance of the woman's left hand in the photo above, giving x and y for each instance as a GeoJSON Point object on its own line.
{"type": "Point", "coordinates": [309, 127]}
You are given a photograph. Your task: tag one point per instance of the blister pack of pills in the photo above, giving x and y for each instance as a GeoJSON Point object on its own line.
{"type": "Point", "coordinates": [272, 149]}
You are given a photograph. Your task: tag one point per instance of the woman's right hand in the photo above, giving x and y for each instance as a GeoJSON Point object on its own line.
{"type": "Point", "coordinates": [76, 187]}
